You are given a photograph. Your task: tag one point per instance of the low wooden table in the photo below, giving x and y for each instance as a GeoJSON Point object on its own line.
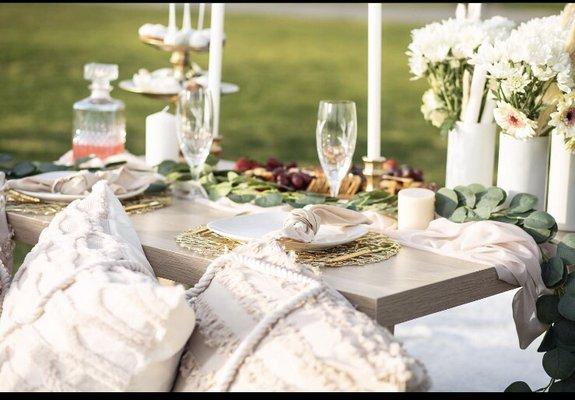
{"type": "Point", "coordinates": [409, 285]}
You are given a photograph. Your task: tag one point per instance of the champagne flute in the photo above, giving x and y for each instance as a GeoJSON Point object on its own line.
{"type": "Point", "coordinates": [336, 133]}
{"type": "Point", "coordinates": [194, 127]}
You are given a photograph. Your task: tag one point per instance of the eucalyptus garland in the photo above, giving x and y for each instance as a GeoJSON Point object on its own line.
{"type": "Point", "coordinates": [476, 203]}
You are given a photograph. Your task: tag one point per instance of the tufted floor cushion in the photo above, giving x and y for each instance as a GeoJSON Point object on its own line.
{"type": "Point", "coordinates": [266, 323]}
{"type": "Point", "coordinates": [85, 310]}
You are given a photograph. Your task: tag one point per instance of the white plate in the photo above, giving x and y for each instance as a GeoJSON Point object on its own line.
{"type": "Point", "coordinates": [256, 226]}
{"type": "Point", "coordinates": [225, 87]}
{"type": "Point", "coordinates": [67, 198]}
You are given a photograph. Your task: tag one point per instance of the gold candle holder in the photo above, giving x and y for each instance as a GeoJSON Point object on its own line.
{"type": "Point", "coordinates": [216, 149]}
{"type": "Point", "coordinates": [373, 170]}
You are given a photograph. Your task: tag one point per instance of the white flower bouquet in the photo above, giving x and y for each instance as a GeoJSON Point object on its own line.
{"type": "Point", "coordinates": [528, 71]}
{"type": "Point", "coordinates": [440, 52]}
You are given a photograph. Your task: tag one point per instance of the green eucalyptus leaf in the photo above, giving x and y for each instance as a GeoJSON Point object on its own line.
{"type": "Point", "coordinates": [566, 249]}
{"type": "Point", "coordinates": [472, 215]}
{"type": "Point", "coordinates": [522, 202]}
{"type": "Point", "coordinates": [483, 213]}
{"type": "Point", "coordinates": [505, 218]}
{"type": "Point", "coordinates": [539, 235]}
{"type": "Point", "coordinates": [167, 166]}
{"type": "Point", "coordinates": [309, 199]}
{"type": "Point", "coordinates": [565, 385]}
{"type": "Point", "coordinates": [566, 306]}
{"type": "Point", "coordinates": [553, 272]}
{"type": "Point", "coordinates": [459, 215]}
{"type": "Point", "coordinates": [270, 199]}
{"type": "Point", "coordinates": [23, 169]}
{"type": "Point", "coordinates": [569, 284]}
{"type": "Point", "coordinates": [233, 176]}
{"type": "Point", "coordinates": [491, 198]}
{"type": "Point", "coordinates": [219, 190]}
{"type": "Point", "coordinates": [156, 187]}
{"type": "Point", "coordinates": [465, 196]}
{"type": "Point", "coordinates": [539, 220]}
{"type": "Point", "coordinates": [5, 158]}
{"type": "Point", "coordinates": [559, 363]}
{"type": "Point", "coordinates": [548, 341]}
{"type": "Point", "coordinates": [565, 334]}
{"type": "Point", "coordinates": [518, 386]}
{"type": "Point", "coordinates": [446, 202]}
{"type": "Point", "coordinates": [241, 198]}
{"type": "Point", "coordinates": [50, 167]}
{"type": "Point", "coordinates": [476, 188]}
{"type": "Point", "coordinates": [547, 311]}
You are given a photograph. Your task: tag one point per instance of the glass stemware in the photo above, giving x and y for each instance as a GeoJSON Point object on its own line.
{"type": "Point", "coordinates": [336, 134]}
{"type": "Point", "coordinates": [194, 127]}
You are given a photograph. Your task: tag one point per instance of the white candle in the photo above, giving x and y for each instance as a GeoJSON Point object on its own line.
{"type": "Point", "coordinates": [215, 61]}
{"type": "Point", "coordinates": [374, 82]}
{"type": "Point", "coordinates": [201, 15]}
{"type": "Point", "coordinates": [415, 208]}
{"type": "Point", "coordinates": [474, 11]}
{"type": "Point", "coordinates": [172, 27]}
{"type": "Point", "coordinates": [475, 94]}
{"type": "Point", "coordinates": [187, 22]}
{"type": "Point", "coordinates": [460, 12]}
{"type": "Point", "coordinates": [161, 140]}
{"type": "Point", "coordinates": [487, 115]}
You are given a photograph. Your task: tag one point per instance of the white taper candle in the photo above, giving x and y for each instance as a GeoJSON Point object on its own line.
{"type": "Point", "coordinates": [187, 22]}
{"type": "Point", "coordinates": [374, 81]}
{"type": "Point", "coordinates": [474, 11]}
{"type": "Point", "coordinates": [475, 94]}
{"type": "Point", "coordinates": [201, 11]}
{"type": "Point", "coordinates": [460, 12]}
{"type": "Point", "coordinates": [215, 61]}
{"type": "Point", "coordinates": [172, 27]}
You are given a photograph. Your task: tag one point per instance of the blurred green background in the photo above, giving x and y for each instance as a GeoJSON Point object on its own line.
{"type": "Point", "coordinates": [284, 66]}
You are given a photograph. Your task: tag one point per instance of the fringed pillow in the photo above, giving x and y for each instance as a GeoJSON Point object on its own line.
{"type": "Point", "coordinates": [266, 323]}
{"type": "Point", "coordinates": [85, 311]}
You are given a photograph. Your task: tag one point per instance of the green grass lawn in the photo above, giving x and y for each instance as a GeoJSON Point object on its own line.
{"type": "Point", "coordinates": [284, 66]}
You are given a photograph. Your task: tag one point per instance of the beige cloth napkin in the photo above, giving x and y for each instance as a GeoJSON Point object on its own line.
{"type": "Point", "coordinates": [6, 247]}
{"type": "Point", "coordinates": [121, 180]}
{"type": "Point", "coordinates": [302, 224]}
{"type": "Point", "coordinates": [513, 253]}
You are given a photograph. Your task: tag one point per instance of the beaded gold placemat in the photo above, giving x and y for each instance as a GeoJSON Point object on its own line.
{"type": "Point", "coordinates": [369, 249]}
{"type": "Point", "coordinates": [19, 202]}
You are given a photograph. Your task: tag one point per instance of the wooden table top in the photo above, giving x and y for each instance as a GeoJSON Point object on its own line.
{"type": "Point", "coordinates": [411, 284]}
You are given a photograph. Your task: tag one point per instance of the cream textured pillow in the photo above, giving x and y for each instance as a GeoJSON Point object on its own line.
{"type": "Point", "coordinates": [85, 311]}
{"type": "Point", "coordinates": [265, 323]}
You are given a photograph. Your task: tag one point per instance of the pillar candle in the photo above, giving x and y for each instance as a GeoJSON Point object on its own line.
{"type": "Point", "coordinates": [161, 140]}
{"type": "Point", "coordinates": [374, 82]}
{"type": "Point", "coordinates": [460, 12]}
{"type": "Point", "coordinates": [215, 60]}
{"type": "Point", "coordinates": [201, 11]}
{"type": "Point", "coordinates": [415, 208]}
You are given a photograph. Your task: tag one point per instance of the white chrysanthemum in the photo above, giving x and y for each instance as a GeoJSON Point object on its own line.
{"type": "Point", "coordinates": [452, 39]}
{"type": "Point", "coordinates": [515, 83]}
{"type": "Point", "coordinates": [433, 108]}
{"type": "Point", "coordinates": [514, 122]}
{"type": "Point", "coordinates": [564, 118]}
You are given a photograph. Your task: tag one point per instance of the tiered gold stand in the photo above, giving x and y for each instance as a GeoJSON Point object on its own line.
{"type": "Point", "coordinates": [184, 70]}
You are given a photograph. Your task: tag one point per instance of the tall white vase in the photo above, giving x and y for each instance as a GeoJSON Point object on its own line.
{"type": "Point", "coordinates": [470, 154]}
{"type": "Point", "coordinates": [523, 167]}
{"type": "Point", "coordinates": [561, 191]}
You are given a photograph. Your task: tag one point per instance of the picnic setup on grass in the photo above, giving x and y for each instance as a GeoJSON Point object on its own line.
{"type": "Point", "coordinates": [182, 270]}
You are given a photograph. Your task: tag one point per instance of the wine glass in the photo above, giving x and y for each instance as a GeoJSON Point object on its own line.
{"type": "Point", "coordinates": [336, 134]}
{"type": "Point", "coordinates": [194, 127]}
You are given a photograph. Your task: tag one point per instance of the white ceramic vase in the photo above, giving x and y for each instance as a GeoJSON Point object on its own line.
{"type": "Point", "coordinates": [470, 154]}
{"type": "Point", "coordinates": [561, 190]}
{"type": "Point", "coordinates": [523, 167]}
